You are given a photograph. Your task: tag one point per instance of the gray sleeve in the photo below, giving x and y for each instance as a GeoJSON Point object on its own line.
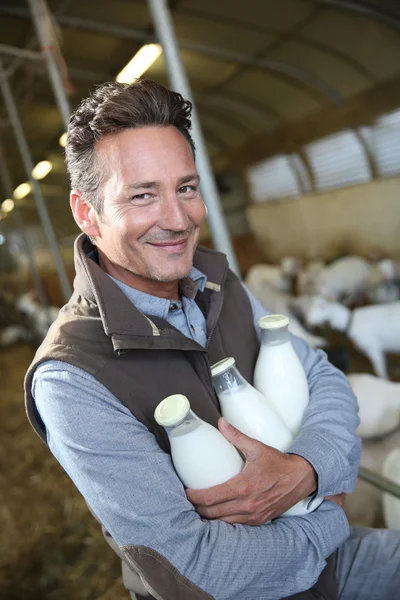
{"type": "Point", "coordinates": [327, 438]}
{"type": "Point", "coordinates": [131, 485]}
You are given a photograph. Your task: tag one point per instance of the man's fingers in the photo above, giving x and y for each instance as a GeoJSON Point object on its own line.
{"type": "Point", "coordinates": [226, 509]}
{"type": "Point", "coordinates": [232, 489]}
{"type": "Point", "coordinates": [249, 447]}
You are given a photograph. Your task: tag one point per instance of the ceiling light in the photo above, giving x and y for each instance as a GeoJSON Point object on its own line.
{"type": "Point", "coordinates": [22, 190]}
{"type": "Point", "coordinates": [63, 140]}
{"type": "Point", "coordinates": [142, 61]}
{"type": "Point", "coordinates": [2, 239]}
{"type": "Point", "coordinates": [42, 169]}
{"type": "Point", "coordinates": [7, 205]}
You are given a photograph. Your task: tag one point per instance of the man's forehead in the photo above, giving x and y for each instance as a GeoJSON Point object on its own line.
{"type": "Point", "coordinates": [135, 140]}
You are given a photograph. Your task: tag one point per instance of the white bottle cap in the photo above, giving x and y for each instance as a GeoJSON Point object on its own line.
{"type": "Point", "coordinates": [273, 321]}
{"type": "Point", "coordinates": [172, 410]}
{"type": "Point", "coordinates": [222, 366]}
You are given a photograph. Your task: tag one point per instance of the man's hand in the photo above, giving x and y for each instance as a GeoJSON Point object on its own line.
{"type": "Point", "coordinates": [270, 483]}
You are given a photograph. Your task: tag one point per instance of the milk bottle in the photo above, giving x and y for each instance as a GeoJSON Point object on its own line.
{"type": "Point", "coordinates": [250, 412]}
{"type": "Point", "coordinates": [279, 374]}
{"type": "Point", "coordinates": [201, 455]}
{"type": "Point", "coordinates": [246, 408]}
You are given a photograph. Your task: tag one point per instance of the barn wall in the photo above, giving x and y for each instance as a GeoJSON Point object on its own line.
{"type": "Point", "coordinates": [360, 219]}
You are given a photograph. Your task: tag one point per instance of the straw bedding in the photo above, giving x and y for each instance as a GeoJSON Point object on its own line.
{"type": "Point", "coordinates": [50, 546]}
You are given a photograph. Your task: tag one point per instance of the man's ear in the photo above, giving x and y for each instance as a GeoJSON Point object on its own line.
{"type": "Point", "coordinates": [84, 214]}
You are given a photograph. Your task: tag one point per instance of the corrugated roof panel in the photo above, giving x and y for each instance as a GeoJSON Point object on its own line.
{"type": "Point", "coordinates": [383, 140]}
{"type": "Point", "coordinates": [282, 15]}
{"type": "Point", "coordinates": [371, 43]}
{"type": "Point", "coordinates": [218, 34]}
{"type": "Point", "coordinates": [341, 75]}
{"type": "Point", "coordinates": [273, 179]}
{"type": "Point", "coordinates": [287, 100]}
{"type": "Point", "coordinates": [338, 160]}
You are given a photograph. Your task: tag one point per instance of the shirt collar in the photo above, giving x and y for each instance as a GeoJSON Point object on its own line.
{"type": "Point", "coordinates": [159, 307]}
{"type": "Point", "coordinates": [153, 305]}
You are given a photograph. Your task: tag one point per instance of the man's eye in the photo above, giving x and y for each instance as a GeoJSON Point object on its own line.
{"type": "Point", "coordinates": [187, 189]}
{"type": "Point", "coordinates": [144, 196]}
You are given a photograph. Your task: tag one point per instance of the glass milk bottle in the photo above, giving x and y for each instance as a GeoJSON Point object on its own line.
{"type": "Point", "coordinates": [246, 408]}
{"type": "Point", "coordinates": [201, 455]}
{"type": "Point", "coordinates": [250, 412]}
{"type": "Point", "coordinates": [279, 374]}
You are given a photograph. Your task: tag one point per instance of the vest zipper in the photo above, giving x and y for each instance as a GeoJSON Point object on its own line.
{"type": "Point", "coordinates": [214, 326]}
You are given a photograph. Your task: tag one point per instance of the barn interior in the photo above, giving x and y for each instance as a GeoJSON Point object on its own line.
{"type": "Point", "coordinates": [299, 107]}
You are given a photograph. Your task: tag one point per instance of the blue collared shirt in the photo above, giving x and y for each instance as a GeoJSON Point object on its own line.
{"type": "Point", "coordinates": [131, 485]}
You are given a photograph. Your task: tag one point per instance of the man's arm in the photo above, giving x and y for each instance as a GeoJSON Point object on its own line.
{"type": "Point", "coordinates": [327, 439]}
{"type": "Point", "coordinates": [131, 485]}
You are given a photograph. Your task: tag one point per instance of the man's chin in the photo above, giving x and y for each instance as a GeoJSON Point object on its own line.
{"type": "Point", "coordinates": [171, 272]}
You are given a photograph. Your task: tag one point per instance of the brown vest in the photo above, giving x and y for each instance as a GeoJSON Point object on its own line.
{"type": "Point", "coordinates": [102, 332]}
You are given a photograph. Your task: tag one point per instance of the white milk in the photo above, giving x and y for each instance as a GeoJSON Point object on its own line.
{"type": "Point", "coordinates": [203, 457]}
{"type": "Point", "coordinates": [280, 377]}
{"type": "Point", "coordinates": [247, 410]}
{"type": "Point", "coordinates": [253, 414]}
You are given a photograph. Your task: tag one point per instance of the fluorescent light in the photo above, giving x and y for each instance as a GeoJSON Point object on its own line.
{"type": "Point", "coordinates": [63, 140]}
{"type": "Point", "coordinates": [7, 205]}
{"type": "Point", "coordinates": [142, 61]}
{"type": "Point", "coordinates": [22, 190]}
{"type": "Point", "coordinates": [42, 169]}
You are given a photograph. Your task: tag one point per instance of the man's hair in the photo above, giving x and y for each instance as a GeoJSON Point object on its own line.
{"type": "Point", "coordinates": [111, 108]}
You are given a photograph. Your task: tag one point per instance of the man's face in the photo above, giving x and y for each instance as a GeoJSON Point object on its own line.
{"type": "Point", "coordinates": [152, 208]}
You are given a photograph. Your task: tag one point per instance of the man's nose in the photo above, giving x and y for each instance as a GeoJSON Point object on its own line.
{"type": "Point", "coordinates": [173, 214]}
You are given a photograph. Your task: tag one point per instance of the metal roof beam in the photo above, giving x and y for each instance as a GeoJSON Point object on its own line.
{"type": "Point", "coordinates": [20, 52]}
{"type": "Point", "coordinates": [303, 76]}
{"type": "Point", "coordinates": [364, 9]}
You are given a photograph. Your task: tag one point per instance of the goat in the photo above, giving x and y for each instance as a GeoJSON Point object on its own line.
{"type": "Point", "coordinates": [373, 329]}
{"type": "Point", "coordinates": [391, 504]}
{"type": "Point", "coordinates": [347, 278]}
{"type": "Point", "coordinates": [364, 507]}
{"type": "Point", "coordinates": [378, 402]}
{"type": "Point", "coordinates": [278, 302]}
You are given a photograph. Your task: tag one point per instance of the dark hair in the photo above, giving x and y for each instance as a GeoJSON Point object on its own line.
{"type": "Point", "coordinates": [114, 107]}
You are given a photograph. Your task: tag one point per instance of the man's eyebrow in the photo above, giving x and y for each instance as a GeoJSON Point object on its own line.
{"type": "Point", "coordinates": [142, 184]}
{"type": "Point", "coordinates": [156, 184]}
{"type": "Point", "coordinates": [186, 178]}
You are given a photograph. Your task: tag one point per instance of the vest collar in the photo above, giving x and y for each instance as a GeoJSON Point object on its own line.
{"type": "Point", "coordinates": [121, 319]}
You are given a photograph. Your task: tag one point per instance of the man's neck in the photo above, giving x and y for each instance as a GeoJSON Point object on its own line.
{"type": "Point", "coordinates": [168, 290]}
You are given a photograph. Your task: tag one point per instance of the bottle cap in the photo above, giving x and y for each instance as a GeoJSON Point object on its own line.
{"type": "Point", "coordinates": [172, 410]}
{"type": "Point", "coordinates": [222, 366]}
{"type": "Point", "coordinates": [273, 322]}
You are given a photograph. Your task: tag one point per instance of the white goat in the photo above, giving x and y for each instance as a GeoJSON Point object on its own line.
{"type": "Point", "coordinates": [373, 329]}
{"type": "Point", "coordinates": [279, 302]}
{"type": "Point", "coordinates": [41, 318]}
{"type": "Point", "coordinates": [364, 506]}
{"type": "Point", "coordinates": [270, 274]}
{"type": "Point", "coordinates": [379, 404]}
{"type": "Point", "coordinates": [346, 278]}
{"type": "Point", "coordinates": [391, 504]}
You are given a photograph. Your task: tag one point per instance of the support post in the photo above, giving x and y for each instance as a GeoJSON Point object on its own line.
{"type": "Point", "coordinates": [179, 82]}
{"type": "Point", "coordinates": [380, 482]}
{"type": "Point", "coordinates": [37, 193]}
{"type": "Point", "coordinates": [8, 188]}
{"type": "Point", "coordinates": [38, 17]}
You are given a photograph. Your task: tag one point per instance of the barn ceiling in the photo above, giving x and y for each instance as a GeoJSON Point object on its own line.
{"type": "Point", "coordinates": [266, 75]}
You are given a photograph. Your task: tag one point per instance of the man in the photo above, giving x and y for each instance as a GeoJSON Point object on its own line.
{"type": "Point", "coordinates": [149, 314]}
